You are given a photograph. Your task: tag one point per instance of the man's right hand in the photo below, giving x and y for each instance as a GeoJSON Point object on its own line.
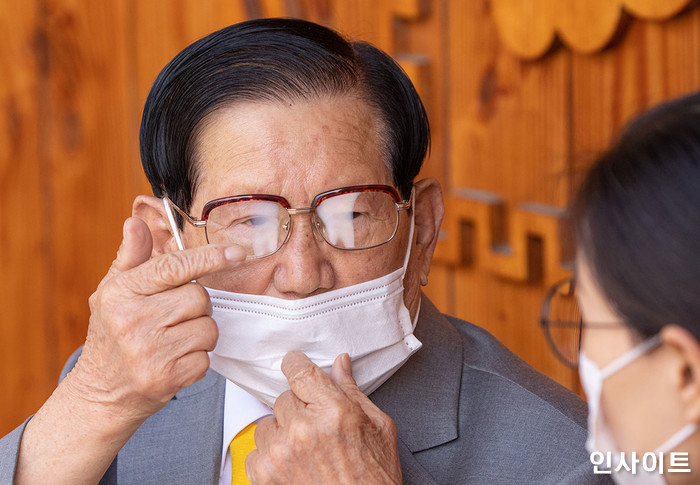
{"type": "Point", "coordinates": [149, 333]}
{"type": "Point", "coordinates": [150, 325]}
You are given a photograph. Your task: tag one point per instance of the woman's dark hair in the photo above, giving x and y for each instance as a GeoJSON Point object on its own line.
{"type": "Point", "coordinates": [637, 218]}
{"type": "Point", "coordinates": [274, 60]}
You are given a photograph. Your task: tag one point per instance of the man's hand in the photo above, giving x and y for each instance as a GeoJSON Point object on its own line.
{"type": "Point", "coordinates": [149, 333]}
{"type": "Point", "coordinates": [324, 430]}
{"type": "Point", "coordinates": [150, 325]}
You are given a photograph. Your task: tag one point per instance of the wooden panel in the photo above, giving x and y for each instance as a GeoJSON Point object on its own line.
{"type": "Point", "coordinates": [26, 334]}
{"type": "Point", "coordinates": [522, 245]}
{"type": "Point", "coordinates": [509, 145]}
{"type": "Point", "coordinates": [440, 289]}
{"type": "Point", "coordinates": [87, 142]}
{"type": "Point", "coordinates": [653, 62]}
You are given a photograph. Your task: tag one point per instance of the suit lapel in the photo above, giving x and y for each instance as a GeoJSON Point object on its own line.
{"type": "Point", "coordinates": [423, 396]}
{"type": "Point", "coordinates": [412, 472]}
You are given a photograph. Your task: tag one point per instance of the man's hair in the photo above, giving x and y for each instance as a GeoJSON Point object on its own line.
{"type": "Point", "coordinates": [637, 218]}
{"type": "Point", "coordinates": [274, 60]}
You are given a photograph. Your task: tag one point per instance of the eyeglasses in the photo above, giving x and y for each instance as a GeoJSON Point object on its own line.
{"type": "Point", "coordinates": [348, 218]}
{"type": "Point", "coordinates": [561, 321]}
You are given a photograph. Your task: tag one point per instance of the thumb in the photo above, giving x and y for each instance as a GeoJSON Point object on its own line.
{"type": "Point", "coordinates": [341, 374]}
{"type": "Point", "coordinates": [136, 247]}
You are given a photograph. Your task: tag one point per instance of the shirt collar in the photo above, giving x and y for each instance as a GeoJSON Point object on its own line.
{"type": "Point", "coordinates": [240, 409]}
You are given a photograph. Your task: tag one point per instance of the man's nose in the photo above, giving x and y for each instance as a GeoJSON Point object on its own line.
{"type": "Point", "coordinates": [303, 269]}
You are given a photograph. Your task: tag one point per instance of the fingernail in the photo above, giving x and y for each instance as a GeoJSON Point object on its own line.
{"type": "Point", "coordinates": [345, 362]}
{"type": "Point", "coordinates": [234, 253]}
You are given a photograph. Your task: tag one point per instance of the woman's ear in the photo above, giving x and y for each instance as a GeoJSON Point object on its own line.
{"type": "Point", "coordinates": [429, 209]}
{"type": "Point", "coordinates": [686, 377]}
{"type": "Point", "coordinates": [150, 209]}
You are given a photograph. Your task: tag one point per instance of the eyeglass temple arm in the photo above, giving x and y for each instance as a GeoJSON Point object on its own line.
{"type": "Point", "coordinates": [189, 218]}
{"type": "Point", "coordinates": [406, 204]}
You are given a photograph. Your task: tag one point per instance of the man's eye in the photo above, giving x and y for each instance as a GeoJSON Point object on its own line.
{"type": "Point", "coordinates": [255, 221]}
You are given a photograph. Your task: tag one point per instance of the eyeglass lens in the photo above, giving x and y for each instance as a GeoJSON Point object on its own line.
{"type": "Point", "coordinates": [355, 220]}
{"type": "Point", "coordinates": [564, 323]}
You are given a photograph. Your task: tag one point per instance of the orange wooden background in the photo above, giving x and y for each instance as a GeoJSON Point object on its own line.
{"type": "Point", "coordinates": [521, 95]}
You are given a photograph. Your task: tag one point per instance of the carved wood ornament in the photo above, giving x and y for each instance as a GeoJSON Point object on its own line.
{"type": "Point", "coordinates": [529, 27]}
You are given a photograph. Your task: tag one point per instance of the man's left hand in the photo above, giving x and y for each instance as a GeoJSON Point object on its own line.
{"type": "Point", "coordinates": [324, 430]}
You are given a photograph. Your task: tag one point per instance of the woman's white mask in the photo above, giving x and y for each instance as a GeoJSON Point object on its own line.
{"type": "Point", "coordinates": [369, 321]}
{"type": "Point", "coordinates": [600, 437]}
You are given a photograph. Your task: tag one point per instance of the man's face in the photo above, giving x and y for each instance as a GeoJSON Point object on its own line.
{"type": "Point", "coordinates": [297, 151]}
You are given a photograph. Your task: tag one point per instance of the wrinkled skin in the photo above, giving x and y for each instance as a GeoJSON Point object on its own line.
{"type": "Point", "coordinates": [324, 430]}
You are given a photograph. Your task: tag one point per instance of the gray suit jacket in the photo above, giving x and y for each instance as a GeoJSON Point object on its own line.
{"type": "Point", "coordinates": [466, 408]}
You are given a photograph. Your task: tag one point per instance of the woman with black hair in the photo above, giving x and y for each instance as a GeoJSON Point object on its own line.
{"type": "Point", "coordinates": [637, 222]}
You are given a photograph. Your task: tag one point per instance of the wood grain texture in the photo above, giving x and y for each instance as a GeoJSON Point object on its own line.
{"type": "Point", "coordinates": [26, 326]}
{"type": "Point", "coordinates": [88, 141]}
{"type": "Point", "coordinates": [509, 146]}
{"type": "Point", "coordinates": [652, 63]}
{"type": "Point", "coordinates": [511, 138]}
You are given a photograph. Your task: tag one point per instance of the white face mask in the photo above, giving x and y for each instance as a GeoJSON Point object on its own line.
{"type": "Point", "coordinates": [369, 321]}
{"type": "Point", "coordinates": [600, 437]}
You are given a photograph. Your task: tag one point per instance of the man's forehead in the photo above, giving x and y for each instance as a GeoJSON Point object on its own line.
{"type": "Point", "coordinates": [308, 146]}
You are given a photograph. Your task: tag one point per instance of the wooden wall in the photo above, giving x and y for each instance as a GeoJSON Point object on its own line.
{"type": "Point", "coordinates": [521, 95]}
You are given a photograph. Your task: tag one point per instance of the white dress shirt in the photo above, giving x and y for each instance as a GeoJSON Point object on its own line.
{"type": "Point", "coordinates": [240, 409]}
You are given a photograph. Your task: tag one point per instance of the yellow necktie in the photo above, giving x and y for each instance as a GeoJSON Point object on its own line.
{"type": "Point", "coordinates": [240, 446]}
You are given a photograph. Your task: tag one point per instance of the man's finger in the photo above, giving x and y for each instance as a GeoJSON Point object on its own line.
{"type": "Point", "coordinates": [180, 304]}
{"type": "Point", "coordinates": [256, 470]}
{"type": "Point", "coordinates": [342, 369]}
{"type": "Point", "coordinates": [341, 375]}
{"type": "Point", "coordinates": [136, 247]}
{"type": "Point", "coordinates": [287, 407]}
{"type": "Point", "coordinates": [174, 269]}
{"type": "Point", "coordinates": [307, 380]}
{"type": "Point", "coordinates": [191, 335]}
{"type": "Point", "coordinates": [265, 433]}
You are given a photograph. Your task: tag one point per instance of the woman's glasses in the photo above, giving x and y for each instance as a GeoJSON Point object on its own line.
{"type": "Point", "coordinates": [561, 321]}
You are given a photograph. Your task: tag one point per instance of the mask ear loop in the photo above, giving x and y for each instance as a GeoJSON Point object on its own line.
{"type": "Point", "coordinates": [408, 253]}
{"type": "Point", "coordinates": [630, 356]}
{"type": "Point", "coordinates": [675, 440]}
{"type": "Point", "coordinates": [410, 234]}
{"type": "Point", "coordinates": [173, 226]}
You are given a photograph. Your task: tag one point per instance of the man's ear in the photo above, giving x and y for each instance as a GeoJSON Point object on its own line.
{"type": "Point", "coordinates": [429, 210]}
{"type": "Point", "coordinates": [686, 375]}
{"type": "Point", "coordinates": [150, 210]}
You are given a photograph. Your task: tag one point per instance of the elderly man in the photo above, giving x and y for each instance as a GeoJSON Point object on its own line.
{"type": "Point", "coordinates": [286, 218]}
